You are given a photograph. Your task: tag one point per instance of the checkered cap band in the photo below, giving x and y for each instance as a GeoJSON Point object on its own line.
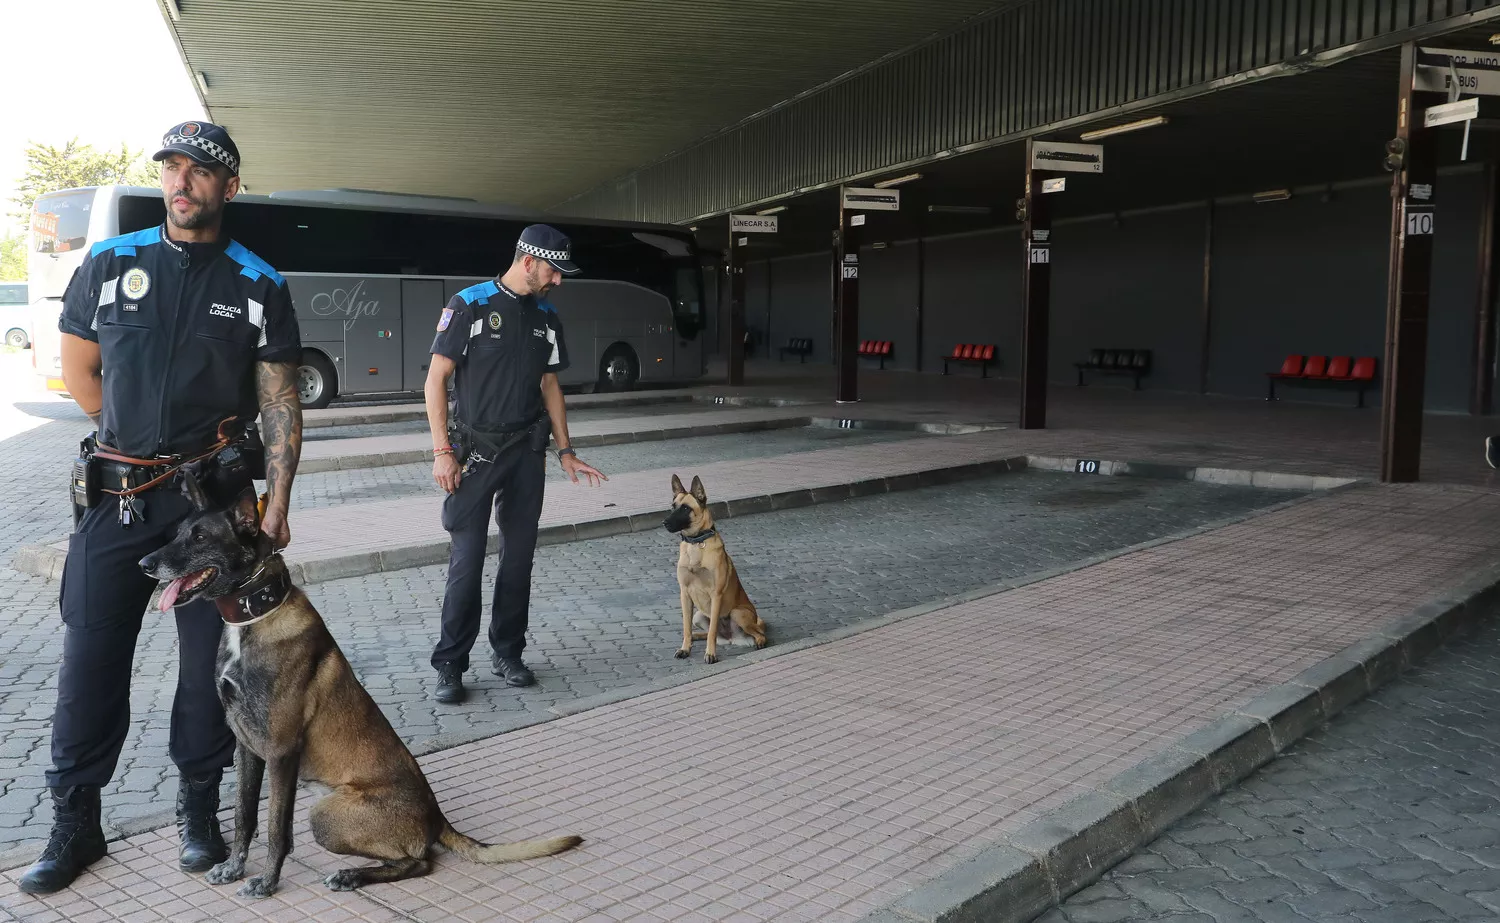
{"type": "Point", "coordinates": [561, 255]}
{"type": "Point", "coordinates": [216, 151]}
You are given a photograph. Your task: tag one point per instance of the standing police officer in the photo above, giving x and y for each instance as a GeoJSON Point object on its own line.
{"type": "Point", "coordinates": [172, 339]}
{"type": "Point", "coordinates": [505, 345]}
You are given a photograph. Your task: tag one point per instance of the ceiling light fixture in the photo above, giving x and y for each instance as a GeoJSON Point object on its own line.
{"type": "Point", "coordinates": [1112, 130]}
{"type": "Point", "coordinates": [888, 183]}
{"type": "Point", "coordinates": [173, 10]}
{"type": "Point", "coordinates": [203, 82]}
{"type": "Point", "coordinates": [771, 211]}
{"type": "Point", "coordinates": [960, 209]}
{"type": "Point", "coordinates": [1272, 195]}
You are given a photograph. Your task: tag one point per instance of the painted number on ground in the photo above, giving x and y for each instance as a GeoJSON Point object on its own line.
{"type": "Point", "coordinates": [1418, 222]}
{"type": "Point", "coordinates": [1087, 467]}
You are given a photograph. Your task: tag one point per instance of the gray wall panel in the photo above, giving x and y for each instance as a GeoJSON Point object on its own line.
{"type": "Point", "coordinates": [888, 301]}
{"type": "Point", "coordinates": [1136, 286]}
{"type": "Point", "coordinates": [974, 296]}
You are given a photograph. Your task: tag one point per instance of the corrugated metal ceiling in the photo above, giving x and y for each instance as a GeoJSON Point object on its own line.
{"type": "Point", "coordinates": [503, 101]}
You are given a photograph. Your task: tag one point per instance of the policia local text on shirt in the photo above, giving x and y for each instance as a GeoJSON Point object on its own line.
{"type": "Point", "coordinates": [172, 339]}
{"type": "Point", "coordinates": [503, 344]}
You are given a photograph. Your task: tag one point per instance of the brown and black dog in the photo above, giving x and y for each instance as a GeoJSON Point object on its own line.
{"type": "Point", "coordinates": [706, 579]}
{"type": "Point", "coordinates": [296, 708]}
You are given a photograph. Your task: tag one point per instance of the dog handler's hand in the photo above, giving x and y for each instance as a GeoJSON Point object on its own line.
{"type": "Point", "coordinates": [446, 473]}
{"type": "Point", "coordinates": [274, 524]}
{"type": "Point", "coordinates": [574, 467]}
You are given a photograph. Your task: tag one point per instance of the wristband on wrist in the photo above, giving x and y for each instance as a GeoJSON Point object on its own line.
{"type": "Point", "coordinates": [566, 451]}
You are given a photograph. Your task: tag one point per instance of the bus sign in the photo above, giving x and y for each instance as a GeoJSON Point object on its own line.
{"type": "Point", "coordinates": [752, 224]}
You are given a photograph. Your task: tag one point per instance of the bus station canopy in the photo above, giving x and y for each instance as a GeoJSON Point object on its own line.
{"type": "Point", "coordinates": [504, 101]}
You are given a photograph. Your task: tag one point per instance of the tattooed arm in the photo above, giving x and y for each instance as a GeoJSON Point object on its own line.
{"type": "Point", "coordinates": [281, 430]}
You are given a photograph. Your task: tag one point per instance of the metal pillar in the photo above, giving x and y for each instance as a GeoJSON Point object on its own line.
{"type": "Point", "coordinates": [1036, 297]}
{"type": "Point", "coordinates": [846, 309]}
{"type": "Point", "coordinates": [736, 266]}
{"type": "Point", "coordinates": [1481, 401]}
{"type": "Point", "coordinates": [1205, 351]}
{"type": "Point", "coordinates": [1414, 157]}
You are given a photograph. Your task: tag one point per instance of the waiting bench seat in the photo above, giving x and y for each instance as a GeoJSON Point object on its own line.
{"type": "Point", "coordinates": [1340, 370]}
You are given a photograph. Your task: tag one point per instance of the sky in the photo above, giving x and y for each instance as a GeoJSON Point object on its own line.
{"type": "Point", "coordinates": [64, 65]}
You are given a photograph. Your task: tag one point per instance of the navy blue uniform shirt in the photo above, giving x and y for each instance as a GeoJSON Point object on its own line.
{"type": "Point", "coordinates": [180, 328]}
{"type": "Point", "coordinates": [502, 343]}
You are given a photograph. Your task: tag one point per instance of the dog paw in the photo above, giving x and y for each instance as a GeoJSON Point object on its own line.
{"type": "Point", "coordinates": [761, 642]}
{"type": "Point", "coordinates": [225, 872]}
{"type": "Point", "coordinates": [683, 654]}
{"type": "Point", "coordinates": [710, 658]}
{"type": "Point", "coordinates": [259, 886]}
{"type": "Point", "coordinates": [342, 880]}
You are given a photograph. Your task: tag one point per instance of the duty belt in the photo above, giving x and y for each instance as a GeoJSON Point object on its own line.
{"type": "Point", "coordinates": [137, 475]}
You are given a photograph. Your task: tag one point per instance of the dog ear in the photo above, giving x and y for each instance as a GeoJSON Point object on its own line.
{"type": "Point", "coordinates": [677, 487]}
{"type": "Point", "coordinates": [698, 492]}
{"type": "Point", "coordinates": [245, 514]}
{"type": "Point", "coordinates": [193, 489]}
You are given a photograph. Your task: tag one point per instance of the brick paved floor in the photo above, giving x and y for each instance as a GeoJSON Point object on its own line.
{"type": "Point", "coordinates": [814, 786]}
{"type": "Point", "coordinates": [809, 569]}
{"type": "Point", "coordinates": [1389, 815]}
{"type": "Point", "coordinates": [331, 488]}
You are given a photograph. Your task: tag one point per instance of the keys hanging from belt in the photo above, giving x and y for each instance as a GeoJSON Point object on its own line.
{"type": "Point", "coordinates": [473, 461]}
{"type": "Point", "coordinates": [132, 506]}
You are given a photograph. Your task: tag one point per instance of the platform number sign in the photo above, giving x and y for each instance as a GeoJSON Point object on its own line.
{"type": "Point", "coordinates": [1419, 222]}
{"type": "Point", "coordinates": [1041, 255]}
{"type": "Point", "coordinates": [1086, 466]}
{"type": "Point", "coordinates": [851, 272]}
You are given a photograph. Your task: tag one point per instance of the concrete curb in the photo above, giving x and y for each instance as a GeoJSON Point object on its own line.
{"type": "Point", "coordinates": [411, 456]}
{"type": "Point", "coordinates": [405, 413]}
{"type": "Point", "coordinates": [1026, 873]}
{"type": "Point", "coordinates": [47, 561]}
{"type": "Point", "coordinates": [696, 670]}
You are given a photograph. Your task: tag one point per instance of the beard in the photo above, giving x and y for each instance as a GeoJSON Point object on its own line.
{"type": "Point", "coordinates": [539, 288]}
{"type": "Point", "coordinates": [205, 212]}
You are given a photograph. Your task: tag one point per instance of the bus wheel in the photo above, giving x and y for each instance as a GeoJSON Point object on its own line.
{"type": "Point", "coordinates": [317, 382]}
{"type": "Point", "coordinates": [618, 370]}
{"type": "Point", "coordinates": [16, 337]}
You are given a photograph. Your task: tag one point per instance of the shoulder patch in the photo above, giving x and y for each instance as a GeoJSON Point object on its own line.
{"type": "Point", "coordinates": [445, 320]}
{"type": "Point", "coordinates": [127, 242]}
{"type": "Point", "coordinates": [480, 293]}
{"type": "Point", "coordinates": [237, 252]}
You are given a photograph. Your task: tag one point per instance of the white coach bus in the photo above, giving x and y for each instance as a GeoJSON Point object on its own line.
{"type": "Point", "coordinates": [370, 273]}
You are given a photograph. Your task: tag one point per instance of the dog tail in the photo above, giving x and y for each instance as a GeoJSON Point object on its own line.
{"type": "Point", "coordinates": [475, 851]}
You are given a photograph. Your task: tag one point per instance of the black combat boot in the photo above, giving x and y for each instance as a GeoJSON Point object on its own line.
{"type": "Point", "coordinates": [203, 845]}
{"type": "Point", "coordinates": [77, 841]}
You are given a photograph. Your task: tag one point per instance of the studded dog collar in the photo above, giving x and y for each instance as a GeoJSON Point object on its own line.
{"type": "Point", "coordinates": [700, 538]}
{"type": "Point", "coordinates": [257, 597]}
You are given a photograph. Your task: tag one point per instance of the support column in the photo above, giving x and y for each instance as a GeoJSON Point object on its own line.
{"type": "Point", "coordinates": [1036, 297]}
{"type": "Point", "coordinates": [921, 300]}
{"type": "Point", "coordinates": [1412, 224]}
{"type": "Point", "coordinates": [1205, 351]}
{"type": "Point", "coordinates": [846, 311]}
{"type": "Point", "coordinates": [1481, 401]}
{"type": "Point", "coordinates": [736, 266]}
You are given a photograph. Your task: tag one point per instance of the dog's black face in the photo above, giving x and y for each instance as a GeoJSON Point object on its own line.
{"type": "Point", "coordinates": [688, 507]}
{"type": "Point", "coordinates": [215, 550]}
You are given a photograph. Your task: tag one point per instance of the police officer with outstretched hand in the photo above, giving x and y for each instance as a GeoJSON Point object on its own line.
{"type": "Point", "coordinates": [173, 338]}
{"type": "Point", "coordinates": [503, 345]}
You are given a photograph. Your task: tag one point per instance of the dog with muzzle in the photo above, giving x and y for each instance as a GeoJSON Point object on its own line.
{"type": "Point", "coordinates": [297, 709]}
{"type": "Point", "coordinates": [713, 601]}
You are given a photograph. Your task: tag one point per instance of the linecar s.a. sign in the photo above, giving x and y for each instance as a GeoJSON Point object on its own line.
{"type": "Point", "coordinates": [752, 224]}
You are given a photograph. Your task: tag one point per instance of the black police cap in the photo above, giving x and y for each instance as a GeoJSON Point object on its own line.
{"type": "Point", "coordinates": [205, 142]}
{"type": "Point", "coordinates": [550, 244]}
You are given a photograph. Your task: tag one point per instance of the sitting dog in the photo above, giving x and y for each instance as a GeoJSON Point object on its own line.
{"type": "Point", "coordinates": [706, 580]}
{"type": "Point", "coordinates": [295, 706]}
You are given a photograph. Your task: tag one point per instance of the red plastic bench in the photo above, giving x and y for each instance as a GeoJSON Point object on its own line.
{"type": "Point", "coordinates": [981, 354]}
{"type": "Point", "coordinates": [876, 349]}
{"type": "Point", "coordinates": [1340, 370]}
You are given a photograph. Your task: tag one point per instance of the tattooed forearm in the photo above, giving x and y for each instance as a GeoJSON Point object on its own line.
{"type": "Point", "coordinates": [281, 427]}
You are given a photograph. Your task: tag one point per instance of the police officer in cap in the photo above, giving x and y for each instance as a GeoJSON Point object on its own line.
{"type": "Point", "coordinates": [503, 344]}
{"type": "Point", "coordinates": [173, 338]}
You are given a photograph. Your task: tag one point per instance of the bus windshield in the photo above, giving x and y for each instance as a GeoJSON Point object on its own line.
{"type": "Point", "coordinates": [60, 221]}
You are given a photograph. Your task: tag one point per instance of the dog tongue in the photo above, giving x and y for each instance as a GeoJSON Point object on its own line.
{"type": "Point", "coordinates": [169, 595]}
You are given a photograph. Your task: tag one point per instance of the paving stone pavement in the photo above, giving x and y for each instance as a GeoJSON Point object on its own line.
{"type": "Point", "coordinates": [1391, 814]}
{"type": "Point", "coordinates": [391, 482]}
{"type": "Point", "coordinates": [809, 570]}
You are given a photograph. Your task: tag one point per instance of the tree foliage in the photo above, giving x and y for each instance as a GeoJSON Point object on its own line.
{"type": "Point", "coordinates": [50, 168]}
{"type": "Point", "coordinates": [13, 258]}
